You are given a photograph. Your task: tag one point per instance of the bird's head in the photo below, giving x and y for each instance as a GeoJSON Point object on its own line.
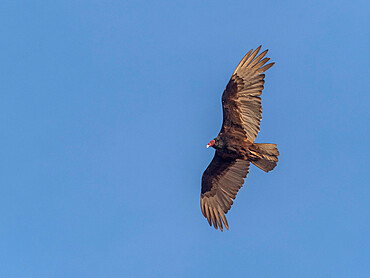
{"type": "Point", "coordinates": [210, 144]}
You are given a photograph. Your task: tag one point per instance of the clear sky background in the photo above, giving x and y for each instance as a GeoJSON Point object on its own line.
{"type": "Point", "coordinates": [105, 111]}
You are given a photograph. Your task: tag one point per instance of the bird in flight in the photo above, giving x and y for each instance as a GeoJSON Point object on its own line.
{"type": "Point", "coordinates": [235, 147]}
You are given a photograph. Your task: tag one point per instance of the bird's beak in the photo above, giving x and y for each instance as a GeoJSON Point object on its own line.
{"type": "Point", "coordinates": [210, 144]}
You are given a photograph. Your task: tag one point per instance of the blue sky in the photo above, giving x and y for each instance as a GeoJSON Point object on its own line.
{"type": "Point", "coordinates": [106, 108]}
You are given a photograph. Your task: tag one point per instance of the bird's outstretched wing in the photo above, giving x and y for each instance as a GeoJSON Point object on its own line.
{"type": "Point", "coordinates": [241, 100]}
{"type": "Point", "coordinates": [221, 182]}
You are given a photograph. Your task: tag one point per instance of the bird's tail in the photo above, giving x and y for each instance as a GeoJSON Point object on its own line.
{"type": "Point", "coordinates": [267, 156]}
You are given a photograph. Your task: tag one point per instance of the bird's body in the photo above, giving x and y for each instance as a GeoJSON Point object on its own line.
{"type": "Point", "coordinates": [235, 147]}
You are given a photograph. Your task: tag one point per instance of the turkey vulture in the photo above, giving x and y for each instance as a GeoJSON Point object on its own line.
{"type": "Point", "coordinates": [235, 147]}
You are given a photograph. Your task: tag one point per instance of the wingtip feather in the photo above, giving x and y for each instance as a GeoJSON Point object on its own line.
{"type": "Point", "coordinates": [207, 215]}
{"type": "Point", "coordinates": [242, 61]}
{"type": "Point", "coordinates": [266, 67]}
{"type": "Point", "coordinates": [202, 206]}
{"type": "Point", "coordinates": [251, 57]}
{"type": "Point", "coordinates": [219, 222]}
{"type": "Point", "coordinates": [213, 217]}
{"type": "Point", "coordinates": [224, 220]}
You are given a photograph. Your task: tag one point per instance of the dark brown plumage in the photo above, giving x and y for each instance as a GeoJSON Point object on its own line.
{"type": "Point", "coordinates": [235, 147]}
